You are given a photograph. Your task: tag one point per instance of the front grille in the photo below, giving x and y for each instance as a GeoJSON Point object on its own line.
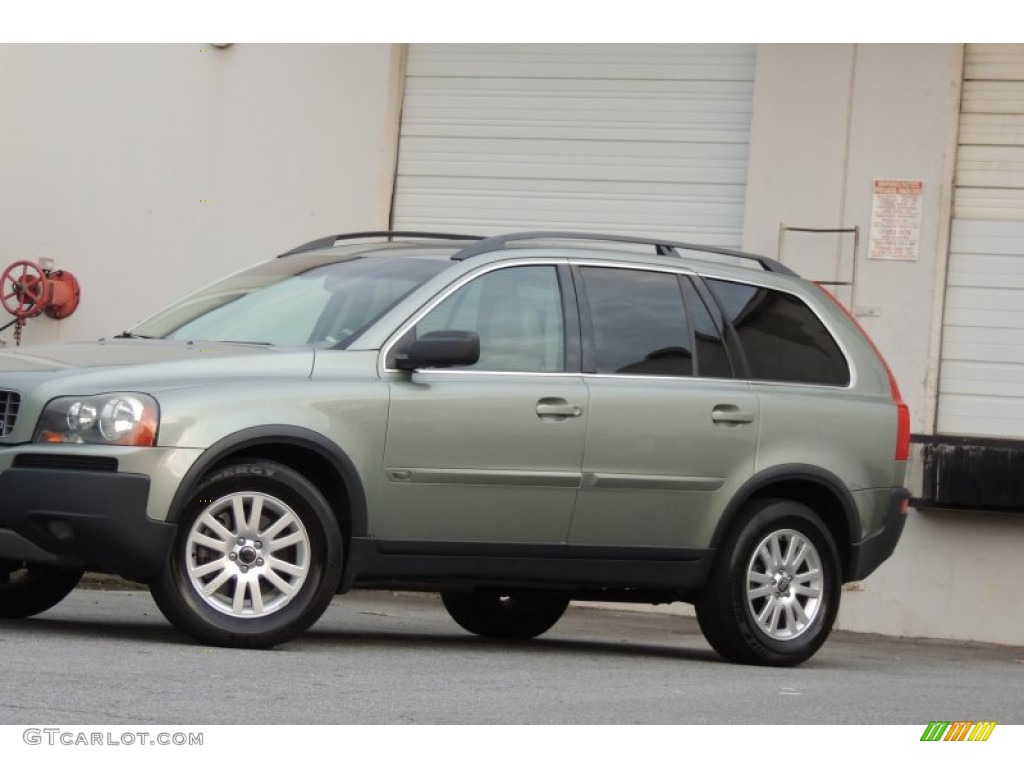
{"type": "Point", "coordinates": [10, 401]}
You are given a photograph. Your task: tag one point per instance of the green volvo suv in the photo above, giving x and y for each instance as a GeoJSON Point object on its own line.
{"type": "Point", "coordinates": [514, 422]}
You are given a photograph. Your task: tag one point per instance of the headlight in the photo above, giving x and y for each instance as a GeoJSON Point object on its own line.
{"type": "Point", "coordinates": [114, 419]}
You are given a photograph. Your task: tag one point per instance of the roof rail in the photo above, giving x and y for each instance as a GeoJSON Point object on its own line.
{"type": "Point", "coordinates": [661, 247]}
{"type": "Point", "coordinates": [327, 242]}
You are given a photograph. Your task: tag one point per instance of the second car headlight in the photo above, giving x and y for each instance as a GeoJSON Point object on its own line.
{"type": "Point", "coordinates": [122, 418]}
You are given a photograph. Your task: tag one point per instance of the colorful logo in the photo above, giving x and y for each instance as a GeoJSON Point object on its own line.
{"type": "Point", "coordinates": [958, 730]}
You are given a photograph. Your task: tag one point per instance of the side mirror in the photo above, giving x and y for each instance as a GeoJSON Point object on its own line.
{"type": "Point", "coordinates": [440, 349]}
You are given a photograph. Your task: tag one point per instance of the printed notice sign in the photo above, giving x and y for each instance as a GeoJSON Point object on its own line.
{"type": "Point", "coordinates": [896, 220]}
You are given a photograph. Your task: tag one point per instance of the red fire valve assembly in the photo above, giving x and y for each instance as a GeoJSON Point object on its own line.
{"type": "Point", "coordinates": [28, 290]}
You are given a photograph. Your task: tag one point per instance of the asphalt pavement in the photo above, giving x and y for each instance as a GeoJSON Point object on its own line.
{"type": "Point", "coordinates": [109, 657]}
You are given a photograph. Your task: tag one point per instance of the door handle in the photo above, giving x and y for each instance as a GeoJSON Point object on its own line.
{"type": "Point", "coordinates": [557, 407]}
{"type": "Point", "coordinates": [730, 414]}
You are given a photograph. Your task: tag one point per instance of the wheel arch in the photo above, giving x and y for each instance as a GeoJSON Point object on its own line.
{"type": "Point", "coordinates": [819, 490]}
{"type": "Point", "coordinates": [317, 458]}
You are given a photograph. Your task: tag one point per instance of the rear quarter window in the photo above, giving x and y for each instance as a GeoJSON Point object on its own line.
{"type": "Point", "coordinates": [782, 338]}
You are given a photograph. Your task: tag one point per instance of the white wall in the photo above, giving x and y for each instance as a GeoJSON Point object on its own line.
{"type": "Point", "coordinates": [954, 575]}
{"type": "Point", "coordinates": [828, 120]}
{"type": "Point", "coordinates": [147, 170]}
{"type": "Point", "coordinates": [798, 152]}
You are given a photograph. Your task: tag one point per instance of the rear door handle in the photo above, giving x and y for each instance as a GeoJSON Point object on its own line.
{"type": "Point", "coordinates": [557, 407]}
{"type": "Point", "coordinates": [730, 414]}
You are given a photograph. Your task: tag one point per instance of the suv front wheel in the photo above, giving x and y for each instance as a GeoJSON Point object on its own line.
{"type": "Point", "coordinates": [774, 591]}
{"type": "Point", "coordinates": [256, 560]}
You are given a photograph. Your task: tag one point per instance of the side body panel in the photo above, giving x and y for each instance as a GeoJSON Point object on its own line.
{"type": "Point", "coordinates": [847, 435]}
{"type": "Point", "coordinates": [658, 469]}
{"type": "Point", "coordinates": [469, 457]}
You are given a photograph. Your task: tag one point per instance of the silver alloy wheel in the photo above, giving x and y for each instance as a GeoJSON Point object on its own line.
{"type": "Point", "coordinates": [784, 584]}
{"type": "Point", "coordinates": [247, 554]}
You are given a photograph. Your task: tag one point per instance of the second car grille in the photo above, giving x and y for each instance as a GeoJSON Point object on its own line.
{"type": "Point", "coordinates": [9, 403]}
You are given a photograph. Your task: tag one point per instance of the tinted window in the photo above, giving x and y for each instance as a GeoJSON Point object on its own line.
{"type": "Point", "coordinates": [712, 357]}
{"type": "Point", "coordinates": [517, 313]}
{"type": "Point", "coordinates": [783, 340]}
{"type": "Point", "coordinates": [639, 323]}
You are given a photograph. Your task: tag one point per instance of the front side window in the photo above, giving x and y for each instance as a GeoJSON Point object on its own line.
{"type": "Point", "coordinates": [516, 312]}
{"type": "Point", "coordinates": [782, 338]}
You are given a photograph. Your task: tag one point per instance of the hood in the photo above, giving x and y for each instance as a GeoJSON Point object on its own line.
{"type": "Point", "coordinates": [102, 353]}
{"type": "Point", "coordinates": [152, 363]}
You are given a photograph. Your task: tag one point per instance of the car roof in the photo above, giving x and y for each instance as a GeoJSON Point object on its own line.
{"type": "Point", "coordinates": [461, 247]}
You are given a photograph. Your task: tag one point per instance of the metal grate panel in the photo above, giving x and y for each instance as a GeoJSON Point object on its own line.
{"type": "Point", "coordinates": [10, 401]}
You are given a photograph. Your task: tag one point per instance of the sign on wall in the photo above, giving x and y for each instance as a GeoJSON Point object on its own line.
{"type": "Point", "coordinates": [896, 220]}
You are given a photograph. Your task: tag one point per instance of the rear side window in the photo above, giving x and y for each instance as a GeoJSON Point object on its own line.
{"type": "Point", "coordinates": [712, 357]}
{"type": "Point", "coordinates": [639, 322]}
{"type": "Point", "coordinates": [783, 340]}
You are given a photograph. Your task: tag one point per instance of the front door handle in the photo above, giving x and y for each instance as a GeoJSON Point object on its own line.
{"type": "Point", "coordinates": [730, 414]}
{"type": "Point", "coordinates": [557, 408]}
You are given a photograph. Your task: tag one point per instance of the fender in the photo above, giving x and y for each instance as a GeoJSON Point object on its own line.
{"type": "Point", "coordinates": [804, 473]}
{"type": "Point", "coordinates": [277, 434]}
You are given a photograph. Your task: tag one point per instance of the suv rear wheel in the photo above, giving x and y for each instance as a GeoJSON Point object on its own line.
{"type": "Point", "coordinates": [508, 615]}
{"type": "Point", "coordinates": [256, 560]}
{"type": "Point", "coordinates": [30, 588]}
{"type": "Point", "coordinates": [774, 591]}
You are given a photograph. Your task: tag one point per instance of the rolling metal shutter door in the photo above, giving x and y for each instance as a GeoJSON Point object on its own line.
{"type": "Point", "coordinates": [981, 388]}
{"type": "Point", "coordinates": [637, 139]}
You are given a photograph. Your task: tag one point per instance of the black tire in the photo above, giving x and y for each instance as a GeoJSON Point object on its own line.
{"type": "Point", "coordinates": [30, 588]}
{"type": "Point", "coordinates": [281, 596]}
{"type": "Point", "coordinates": [505, 614]}
{"type": "Point", "coordinates": [796, 598]}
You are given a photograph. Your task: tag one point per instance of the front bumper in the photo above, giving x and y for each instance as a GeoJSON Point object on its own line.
{"type": "Point", "coordinates": [86, 519]}
{"type": "Point", "coordinates": [868, 554]}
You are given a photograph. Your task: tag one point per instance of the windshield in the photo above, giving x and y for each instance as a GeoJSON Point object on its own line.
{"type": "Point", "coordinates": [324, 305]}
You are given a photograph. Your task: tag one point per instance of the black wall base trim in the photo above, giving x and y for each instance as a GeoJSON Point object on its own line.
{"type": "Point", "coordinates": [974, 473]}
